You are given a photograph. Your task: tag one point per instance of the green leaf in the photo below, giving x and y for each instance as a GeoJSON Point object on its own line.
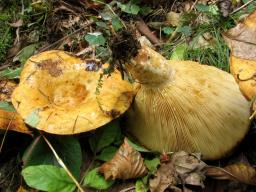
{"type": "Point", "coordinates": [145, 10]}
{"type": "Point", "coordinates": [107, 153]}
{"type": "Point", "coordinates": [67, 147]}
{"type": "Point", "coordinates": [101, 24]}
{"type": "Point", "coordinates": [135, 9]}
{"type": "Point", "coordinates": [116, 23]}
{"type": "Point", "coordinates": [137, 147]}
{"type": "Point", "coordinates": [212, 9]}
{"type": "Point", "coordinates": [140, 186]}
{"type": "Point", "coordinates": [48, 178]}
{"type": "Point", "coordinates": [11, 73]}
{"type": "Point", "coordinates": [95, 180]}
{"type": "Point", "coordinates": [95, 38]}
{"type": "Point", "coordinates": [202, 8]}
{"type": "Point", "coordinates": [129, 8]}
{"type": "Point", "coordinates": [25, 53]}
{"type": "Point", "coordinates": [167, 30]}
{"type": "Point", "coordinates": [152, 164]}
{"type": "Point", "coordinates": [104, 136]}
{"type": "Point", "coordinates": [179, 52]}
{"type": "Point", "coordinates": [185, 30]}
{"type": "Point", "coordinates": [33, 118]}
{"type": "Point", "coordinates": [7, 106]}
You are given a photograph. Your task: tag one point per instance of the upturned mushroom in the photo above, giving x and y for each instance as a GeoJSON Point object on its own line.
{"type": "Point", "coordinates": [183, 105]}
{"type": "Point", "coordinates": [57, 93]}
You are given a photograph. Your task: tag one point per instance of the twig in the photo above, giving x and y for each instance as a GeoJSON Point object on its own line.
{"type": "Point", "coordinates": [7, 129]}
{"type": "Point", "coordinates": [144, 29]}
{"type": "Point", "coordinates": [128, 189]}
{"type": "Point", "coordinates": [63, 38]}
{"type": "Point", "coordinates": [62, 164]}
{"type": "Point", "coordinates": [243, 6]}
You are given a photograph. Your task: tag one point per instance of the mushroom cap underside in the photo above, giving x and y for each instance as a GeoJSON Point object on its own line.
{"type": "Point", "coordinates": [200, 110]}
{"type": "Point", "coordinates": [62, 94]}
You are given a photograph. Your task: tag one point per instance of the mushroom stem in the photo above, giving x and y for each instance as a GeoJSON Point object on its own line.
{"type": "Point", "coordinates": [150, 68]}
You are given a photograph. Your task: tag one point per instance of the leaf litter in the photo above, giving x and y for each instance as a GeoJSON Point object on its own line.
{"type": "Point", "coordinates": [178, 172]}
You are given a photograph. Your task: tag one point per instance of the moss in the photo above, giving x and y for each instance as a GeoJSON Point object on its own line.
{"type": "Point", "coordinates": [7, 34]}
{"type": "Point", "coordinates": [6, 39]}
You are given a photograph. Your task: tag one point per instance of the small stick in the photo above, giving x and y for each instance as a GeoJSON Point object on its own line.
{"type": "Point", "coordinates": [243, 6]}
{"type": "Point", "coordinates": [62, 164]}
{"type": "Point", "coordinates": [144, 29]}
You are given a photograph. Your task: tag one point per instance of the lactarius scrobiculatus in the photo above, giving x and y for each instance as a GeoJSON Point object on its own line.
{"type": "Point", "coordinates": [183, 105]}
{"type": "Point", "coordinates": [57, 93]}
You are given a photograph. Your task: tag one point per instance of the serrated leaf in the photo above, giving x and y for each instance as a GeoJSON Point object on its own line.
{"type": "Point", "coordinates": [67, 147]}
{"type": "Point", "coordinates": [137, 147]}
{"type": "Point", "coordinates": [179, 51]}
{"type": "Point", "coordinates": [95, 180]}
{"type": "Point", "coordinates": [104, 136]}
{"type": "Point", "coordinates": [25, 53]}
{"type": "Point", "coordinates": [11, 73]}
{"type": "Point", "coordinates": [152, 164]}
{"type": "Point", "coordinates": [167, 30]}
{"type": "Point", "coordinates": [6, 106]}
{"type": "Point", "coordinates": [33, 118]}
{"type": "Point", "coordinates": [95, 38]}
{"type": "Point", "coordinates": [48, 178]}
{"type": "Point", "coordinates": [107, 153]}
{"type": "Point", "coordinates": [185, 30]}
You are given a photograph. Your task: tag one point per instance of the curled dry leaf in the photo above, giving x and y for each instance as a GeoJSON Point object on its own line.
{"type": "Point", "coordinates": [183, 168]}
{"type": "Point", "coordinates": [237, 172]}
{"type": "Point", "coordinates": [127, 163]}
{"type": "Point", "coordinates": [242, 42]}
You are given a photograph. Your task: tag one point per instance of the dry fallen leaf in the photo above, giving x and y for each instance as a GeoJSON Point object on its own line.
{"type": "Point", "coordinates": [13, 122]}
{"type": "Point", "coordinates": [242, 42]}
{"type": "Point", "coordinates": [237, 172]}
{"type": "Point", "coordinates": [10, 120]}
{"type": "Point", "coordinates": [173, 18]}
{"type": "Point", "coordinates": [164, 177]}
{"type": "Point", "coordinates": [183, 168]}
{"type": "Point", "coordinates": [127, 163]}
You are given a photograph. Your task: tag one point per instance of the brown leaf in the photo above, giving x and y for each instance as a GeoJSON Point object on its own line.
{"type": "Point", "coordinates": [10, 120]}
{"type": "Point", "coordinates": [237, 172]}
{"type": "Point", "coordinates": [183, 168]}
{"type": "Point", "coordinates": [164, 177]}
{"type": "Point", "coordinates": [242, 42]}
{"type": "Point", "coordinates": [127, 163]}
{"type": "Point", "coordinates": [13, 122]}
{"type": "Point", "coordinates": [253, 108]}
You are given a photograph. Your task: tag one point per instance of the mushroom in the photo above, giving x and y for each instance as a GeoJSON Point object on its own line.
{"type": "Point", "coordinates": [183, 105]}
{"type": "Point", "coordinates": [62, 94]}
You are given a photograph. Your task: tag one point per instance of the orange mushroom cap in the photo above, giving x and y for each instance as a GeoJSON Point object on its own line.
{"type": "Point", "coordinates": [57, 94]}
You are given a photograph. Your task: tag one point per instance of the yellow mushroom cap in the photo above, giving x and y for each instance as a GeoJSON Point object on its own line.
{"type": "Point", "coordinates": [199, 108]}
{"type": "Point", "coordinates": [57, 94]}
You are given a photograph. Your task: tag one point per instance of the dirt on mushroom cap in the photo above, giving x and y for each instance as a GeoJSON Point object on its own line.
{"type": "Point", "coordinates": [56, 94]}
